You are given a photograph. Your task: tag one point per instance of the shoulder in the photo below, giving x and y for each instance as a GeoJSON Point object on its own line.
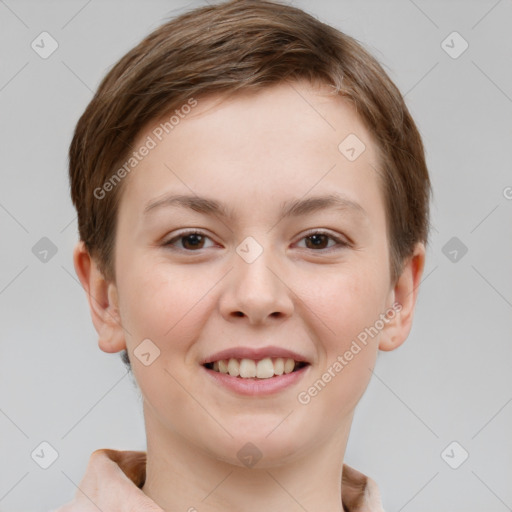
{"type": "Point", "coordinates": [359, 492]}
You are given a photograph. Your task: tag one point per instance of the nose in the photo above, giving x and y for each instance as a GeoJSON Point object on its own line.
{"type": "Point", "coordinates": [256, 291]}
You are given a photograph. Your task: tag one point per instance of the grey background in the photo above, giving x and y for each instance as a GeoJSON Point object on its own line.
{"type": "Point", "coordinates": [451, 381]}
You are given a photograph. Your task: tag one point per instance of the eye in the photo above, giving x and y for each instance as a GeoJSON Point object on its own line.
{"type": "Point", "coordinates": [318, 239]}
{"type": "Point", "coordinates": [194, 240]}
{"type": "Point", "coordinates": [191, 240]}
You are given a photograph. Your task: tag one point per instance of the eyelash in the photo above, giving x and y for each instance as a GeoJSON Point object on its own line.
{"type": "Point", "coordinates": [341, 243]}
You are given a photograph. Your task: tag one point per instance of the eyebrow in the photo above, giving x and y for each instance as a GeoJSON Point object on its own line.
{"type": "Point", "coordinates": [292, 208]}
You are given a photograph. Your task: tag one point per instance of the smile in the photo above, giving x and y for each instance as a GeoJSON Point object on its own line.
{"type": "Point", "coordinates": [265, 368]}
{"type": "Point", "coordinates": [286, 373]}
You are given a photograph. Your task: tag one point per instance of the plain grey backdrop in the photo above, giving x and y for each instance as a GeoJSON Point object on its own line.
{"type": "Point", "coordinates": [434, 428]}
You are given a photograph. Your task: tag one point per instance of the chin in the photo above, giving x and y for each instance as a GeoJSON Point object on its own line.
{"type": "Point", "coordinates": [263, 447]}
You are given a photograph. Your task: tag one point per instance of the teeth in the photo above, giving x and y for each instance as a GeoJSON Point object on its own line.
{"type": "Point", "coordinates": [265, 368]}
{"type": "Point", "coordinates": [248, 368]}
{"type": "Point", "coordinates": [289, 365]}
{"type": "Point", "coordinates": [234, 368]}
{"type": "Point", "coordinates": [279, 366]}
{"type": "Point", "coordinates": [223, 366]}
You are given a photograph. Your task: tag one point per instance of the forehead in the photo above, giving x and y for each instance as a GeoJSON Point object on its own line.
{"type": "Point", "coordinates": [280, 142]}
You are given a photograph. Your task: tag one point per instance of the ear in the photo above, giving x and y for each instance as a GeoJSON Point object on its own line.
{"type": "Point", "coordinates": [403, 295]}
{"type": "Point", "coordinates": [103, 301]}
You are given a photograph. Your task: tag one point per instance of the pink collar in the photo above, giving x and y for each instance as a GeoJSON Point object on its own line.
{"type": "Point", "coordinates": [113, 481]}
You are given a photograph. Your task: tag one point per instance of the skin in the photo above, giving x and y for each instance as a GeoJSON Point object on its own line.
{"type": "Point", "coordinates": [251, 152]}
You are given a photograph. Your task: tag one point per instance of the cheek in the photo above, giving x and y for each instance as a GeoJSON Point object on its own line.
{"type": "Point", "coordinates": [346, 300]}
{"type": "Point", "coordinates": [347, 353]}
{"type": "Point", "coordinates": [162, 303]}
{"type": "Point", "coordinates": [346, 306]}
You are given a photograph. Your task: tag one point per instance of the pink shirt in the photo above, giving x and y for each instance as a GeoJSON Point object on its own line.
{"type": "Point", "coordinates": [113, 481]}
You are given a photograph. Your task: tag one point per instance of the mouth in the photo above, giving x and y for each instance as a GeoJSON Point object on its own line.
{"type": "Point", "coordinates": [256, 369]}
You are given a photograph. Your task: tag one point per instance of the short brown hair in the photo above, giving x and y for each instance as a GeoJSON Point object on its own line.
{"type": "Point", "coordinates": [235, 45]}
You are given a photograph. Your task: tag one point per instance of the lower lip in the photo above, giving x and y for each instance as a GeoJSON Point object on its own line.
{"type": "Point", "coordinates": [258, 387]}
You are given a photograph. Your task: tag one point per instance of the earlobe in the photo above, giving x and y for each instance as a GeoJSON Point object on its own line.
{"type": "Point", "coordinates": [404, 295]}
{"type": "Point", "coordinates": [103, 301]}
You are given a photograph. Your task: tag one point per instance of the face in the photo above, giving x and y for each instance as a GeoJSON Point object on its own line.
{"type": "Point", "coordinates": [251, 267]}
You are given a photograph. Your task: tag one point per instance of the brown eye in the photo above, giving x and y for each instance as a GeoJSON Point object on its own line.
{"type": "Point", "coordinates": [190, 241]}
{"type": "Point", "coordinates": [319, 240]}
{"type": "Point", "coordinates": [193, 241]}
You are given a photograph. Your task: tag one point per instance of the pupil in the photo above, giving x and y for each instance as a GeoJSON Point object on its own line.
{"type": "Point", "coordinates": [317, 239]}
{"type": "Point", "coordinates": [194, 238]}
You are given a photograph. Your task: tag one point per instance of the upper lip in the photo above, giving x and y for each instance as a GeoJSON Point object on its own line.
{"type": "Point", "coordinates": [254, 353]}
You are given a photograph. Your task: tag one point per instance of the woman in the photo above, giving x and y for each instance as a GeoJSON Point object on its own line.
{"type": "Point", "coordinates": [253, 202]}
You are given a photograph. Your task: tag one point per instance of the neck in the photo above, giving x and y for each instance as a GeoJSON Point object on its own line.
{"type": "Point", "coordinates": [182, 476]}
